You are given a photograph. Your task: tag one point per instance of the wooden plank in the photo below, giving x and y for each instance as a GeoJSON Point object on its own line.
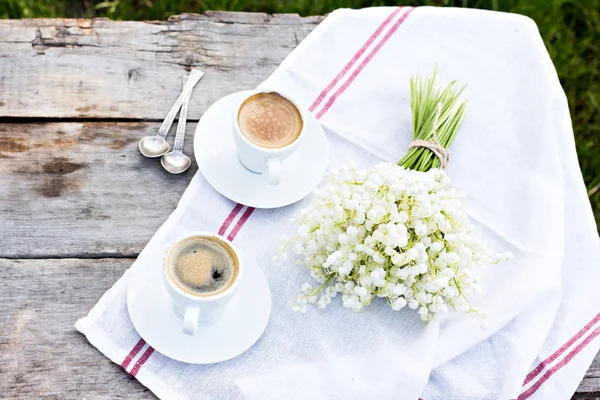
{"type": "Point", "coordinates": [119, 69]}
{"type": "Point", "coordinates": [590, 385]}
{"type": "Point", "coordinates": [83, 189]}
{"type": "Point", "coordinates": [42, 356]}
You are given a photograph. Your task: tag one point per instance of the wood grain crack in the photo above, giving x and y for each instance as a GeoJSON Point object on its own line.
{"type": "Point", "coordinates": [41, 44]}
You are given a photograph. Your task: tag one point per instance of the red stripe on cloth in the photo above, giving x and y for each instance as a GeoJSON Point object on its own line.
{"type": "Point", "coordinates": [142, 360]}
{"type": "Point", "coordinates": [363, 64]}
{"type": "Point", "coordinates": [526, 394]}
{"type": "Point", "coordinates": [240, 223]}
{"type": "Point", "coordinates": [535, 372]}
{"type": "Point", "coordinates": [230, 219]}
{"type": "Point", "coordinates": [136, 349]}
{"type": "Point", "coordinates": [354, 59]}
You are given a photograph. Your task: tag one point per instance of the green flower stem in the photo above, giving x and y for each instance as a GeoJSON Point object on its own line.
{"type": "Point", "coordinates": [316, 292]}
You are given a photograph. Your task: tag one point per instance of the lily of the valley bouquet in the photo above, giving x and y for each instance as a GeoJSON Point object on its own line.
{"type": "Point", "coordinates": [396, 231]}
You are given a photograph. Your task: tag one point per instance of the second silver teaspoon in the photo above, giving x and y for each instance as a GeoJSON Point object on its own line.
{"type": "Point", "coordinates": [175, 161]}
{"type": "Point", "coordinates": [156, 146]}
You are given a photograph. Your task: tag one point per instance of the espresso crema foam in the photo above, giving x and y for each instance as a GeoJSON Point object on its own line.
{"type": "Point", "coordinates": [203, 266]}
{"type": "Point", "coordinates": [270, 120]}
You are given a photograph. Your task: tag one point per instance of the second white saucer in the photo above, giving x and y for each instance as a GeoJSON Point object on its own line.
{"type": "Point", "coordinates": [243, 321]}
{"type": "Point", "coordinates": [217, 159]}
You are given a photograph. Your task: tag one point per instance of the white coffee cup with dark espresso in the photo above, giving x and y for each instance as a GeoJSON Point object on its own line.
{"type": "Point", "coordinates": [202, 273]}
{"type": "Point", "coordinates": [268, 127]}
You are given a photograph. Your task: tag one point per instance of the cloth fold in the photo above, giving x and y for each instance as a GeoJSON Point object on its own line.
{"type": "Point", "coordinates": [514, 158]}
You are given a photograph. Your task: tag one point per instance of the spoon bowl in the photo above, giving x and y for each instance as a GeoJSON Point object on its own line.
{"type": "Point", "coordinates": [175, 162]}
{"type": "Point", "coordinates": [153, 146]}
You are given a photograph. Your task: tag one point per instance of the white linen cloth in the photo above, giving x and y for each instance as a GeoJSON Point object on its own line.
{"type": "Point", "coordinates": [515, 159]}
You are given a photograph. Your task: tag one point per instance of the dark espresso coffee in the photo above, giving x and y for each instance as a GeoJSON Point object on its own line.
{"type": "Point", "coordinates": [203, 266]}
{"type": "Point", "coordinates": [270, 120]}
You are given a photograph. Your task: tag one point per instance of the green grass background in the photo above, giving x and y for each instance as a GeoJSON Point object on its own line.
{"type": "Point", "coordinates": [570, 28]}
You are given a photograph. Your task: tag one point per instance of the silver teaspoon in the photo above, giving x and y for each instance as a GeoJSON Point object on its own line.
{"type": "Point", "coordinates": [175, 161]}
{"type": "Point", "coordinates": [156, 146]}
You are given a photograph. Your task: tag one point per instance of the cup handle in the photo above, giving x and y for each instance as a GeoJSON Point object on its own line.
{"type": "Point", "coordinates": [190, 320]}
{"type": "Point", "coordinates": [273, 171]}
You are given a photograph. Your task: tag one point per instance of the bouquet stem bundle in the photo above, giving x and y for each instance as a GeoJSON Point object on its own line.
{"type": "Point", "coordinates": [437, 115]}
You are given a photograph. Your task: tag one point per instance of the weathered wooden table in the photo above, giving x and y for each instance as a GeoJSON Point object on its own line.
{"type": "Point", "coordinates": [77, 200]}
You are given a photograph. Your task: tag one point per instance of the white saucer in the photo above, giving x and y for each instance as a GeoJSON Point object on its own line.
{"type": "Point", "coordinates": [217, 159]}
{"type": "Point", "coordinates": [235, 331]}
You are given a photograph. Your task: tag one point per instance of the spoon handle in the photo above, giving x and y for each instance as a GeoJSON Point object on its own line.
{"type": "Point", "coordinates": [180, 135]}
{"type": "Point", "coordinates": [192, 79]}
